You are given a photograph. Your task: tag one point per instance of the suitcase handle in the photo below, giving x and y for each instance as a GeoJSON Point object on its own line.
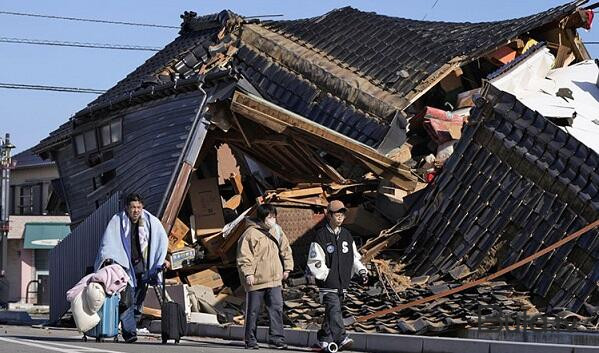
{"type": "Point", "coordinates": [162, 297]}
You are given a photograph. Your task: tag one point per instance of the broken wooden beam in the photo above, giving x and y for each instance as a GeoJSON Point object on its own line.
{"type": "Point", "coordinates": [235, 180]}
{"type": "Point", "coordinates": [294, 193]}
{"type": "Point", "coordinates": [309, 202]}
{"type": "Point", "coordinates": [284, 121]}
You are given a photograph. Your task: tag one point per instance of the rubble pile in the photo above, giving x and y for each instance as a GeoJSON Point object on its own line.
{"type": "Point", "coordinates": [203, 252]}
{"type": "Point", "coordinates": [203, 271]}
{"type": "Point", "coordinates": [488, 306]}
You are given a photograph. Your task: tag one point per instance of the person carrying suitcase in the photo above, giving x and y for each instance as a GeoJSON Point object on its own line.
{"type": "Point", "coordinates": [333, 260]}
{"type": "Point", "coordinates": [264, 260]}
{"type": "Point", "coordinates": [136, 240]}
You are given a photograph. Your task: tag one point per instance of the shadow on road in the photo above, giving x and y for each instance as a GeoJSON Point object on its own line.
{"type": "Point", "coordinates": [183, 343]}
{"type": "Point", "coordinates": [234, 345]}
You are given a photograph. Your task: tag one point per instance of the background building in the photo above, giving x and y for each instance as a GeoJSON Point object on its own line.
{"type": "Point", "coordinates": [38, 221]}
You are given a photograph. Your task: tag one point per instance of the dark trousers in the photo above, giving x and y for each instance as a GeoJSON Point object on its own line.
{"type": "Point", "coordinates": [332, 329]}
{"type": "Point", "coordinates": [273, 297]}
{"type": "Point", "coordinates": [131, 314]}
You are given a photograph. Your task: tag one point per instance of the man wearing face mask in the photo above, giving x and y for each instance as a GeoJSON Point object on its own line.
{"type": "Point", "coordinates": [264, 260]}
{"type": "Point", "coordinates": [334, 260]}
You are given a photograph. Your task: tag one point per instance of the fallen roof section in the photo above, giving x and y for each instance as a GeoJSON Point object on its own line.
{"type": "Point", "coordinates": [516, 181]}
{"type": "Point", "coordinates": [404, 56]}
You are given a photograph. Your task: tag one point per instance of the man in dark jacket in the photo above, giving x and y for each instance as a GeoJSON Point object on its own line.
{"type": "Point", "coordinates": [333, 260]}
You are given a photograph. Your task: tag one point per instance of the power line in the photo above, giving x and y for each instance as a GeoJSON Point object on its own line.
{"type": "Point", "coordinates": [86, 20]}
{"type": "Point", "coordinates": [77, 44]}
{"type": "Point", "coordinates": [51, 88]}
{"type": "Point", "coordinates": [432, 7]}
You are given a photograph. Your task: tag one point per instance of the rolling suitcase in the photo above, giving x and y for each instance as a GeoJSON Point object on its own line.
{"type": "Point", "coordinates": [109, 321]}
{"type": "Point", "coordinates": [173, 320]}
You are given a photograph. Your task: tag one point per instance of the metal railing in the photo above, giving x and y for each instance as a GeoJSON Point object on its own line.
{"type": "Point", "coordinates": [36, 291]}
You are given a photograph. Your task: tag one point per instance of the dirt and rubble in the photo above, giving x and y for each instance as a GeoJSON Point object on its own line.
{"type": "Point", "coordinates": [444, 316]}
{"type": "Point", "coordinates": [208, 283]}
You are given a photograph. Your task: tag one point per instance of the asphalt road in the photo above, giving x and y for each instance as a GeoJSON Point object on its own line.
{"type": "Point", "coordinates": [21, 339]}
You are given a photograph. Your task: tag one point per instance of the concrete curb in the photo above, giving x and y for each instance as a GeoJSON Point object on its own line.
{"type": "Point", "coordinates": [15, 317]}
{"type": "Point", "coordinates": [383, 343]}
{"type": "Point", "coordinates": [556, 337]}
{"type": "Point", "coordinates": [34, 309]}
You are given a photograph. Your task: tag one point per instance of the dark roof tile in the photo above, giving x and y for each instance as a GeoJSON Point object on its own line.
{"type": "Point", "coordinates": [526, 210]}
{"type": "Point", "coordinates": [28, 158]}
{"type": "Point", "coordinates": [395, 54]}
{"type": "Point", "coordinates": [304, 98]}
{"type": "Point", "coordinates": [375, 46]}
{"type": "Point", "coordinates": [189, 40]}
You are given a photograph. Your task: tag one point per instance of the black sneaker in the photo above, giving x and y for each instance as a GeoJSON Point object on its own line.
{"type": "Point", "coordinates": [252, 346]}
{"type": "Point", "coordinates": [277, 345]}
{"type": "Point", "coordinates": [131, 339]}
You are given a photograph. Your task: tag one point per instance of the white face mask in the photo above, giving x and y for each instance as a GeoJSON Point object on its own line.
{"type": "Point", "coordinates": [270, 222]}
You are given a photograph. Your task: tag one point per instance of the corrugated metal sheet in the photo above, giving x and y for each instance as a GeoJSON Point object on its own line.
{"type": "Point", "coordinates": [72, 256]}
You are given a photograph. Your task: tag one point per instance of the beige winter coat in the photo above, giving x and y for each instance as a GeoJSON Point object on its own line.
{"type": "Point", "coordinates": [258, 255]}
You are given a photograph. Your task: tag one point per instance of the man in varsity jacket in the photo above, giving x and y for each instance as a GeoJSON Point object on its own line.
{"type": "Point", "coordinates": [333, 260]}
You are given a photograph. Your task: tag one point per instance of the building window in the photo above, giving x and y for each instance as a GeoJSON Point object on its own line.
{"type": "Point", "coordinates": [107, 135]}
{"type": "Point", "coordinates": [79, 144]}
{"type": "Point", "coordinates": [26, 200]}
{"type": "Point", "coordinates": [29, 199]}
{"type": "Point", "coordinates": [86, 142]}
{"type": "Point", "coordinates": [90, 140]}
{"type": "Point", "coordinates": [41, 260]}
{"type": "Point", "coordinates": [111, 133]}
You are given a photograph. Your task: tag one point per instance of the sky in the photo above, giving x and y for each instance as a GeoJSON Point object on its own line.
{"type": "Point", "coordinates": [30, 116]}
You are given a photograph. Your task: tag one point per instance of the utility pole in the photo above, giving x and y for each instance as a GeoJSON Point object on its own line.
{"type": "Point", "coordinates": [5, 165]}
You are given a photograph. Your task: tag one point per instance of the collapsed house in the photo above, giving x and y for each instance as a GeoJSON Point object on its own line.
{"type": "Point", "coordinates": [297, 113]}
{"type": "Point", "coordinates": [519, 183]}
